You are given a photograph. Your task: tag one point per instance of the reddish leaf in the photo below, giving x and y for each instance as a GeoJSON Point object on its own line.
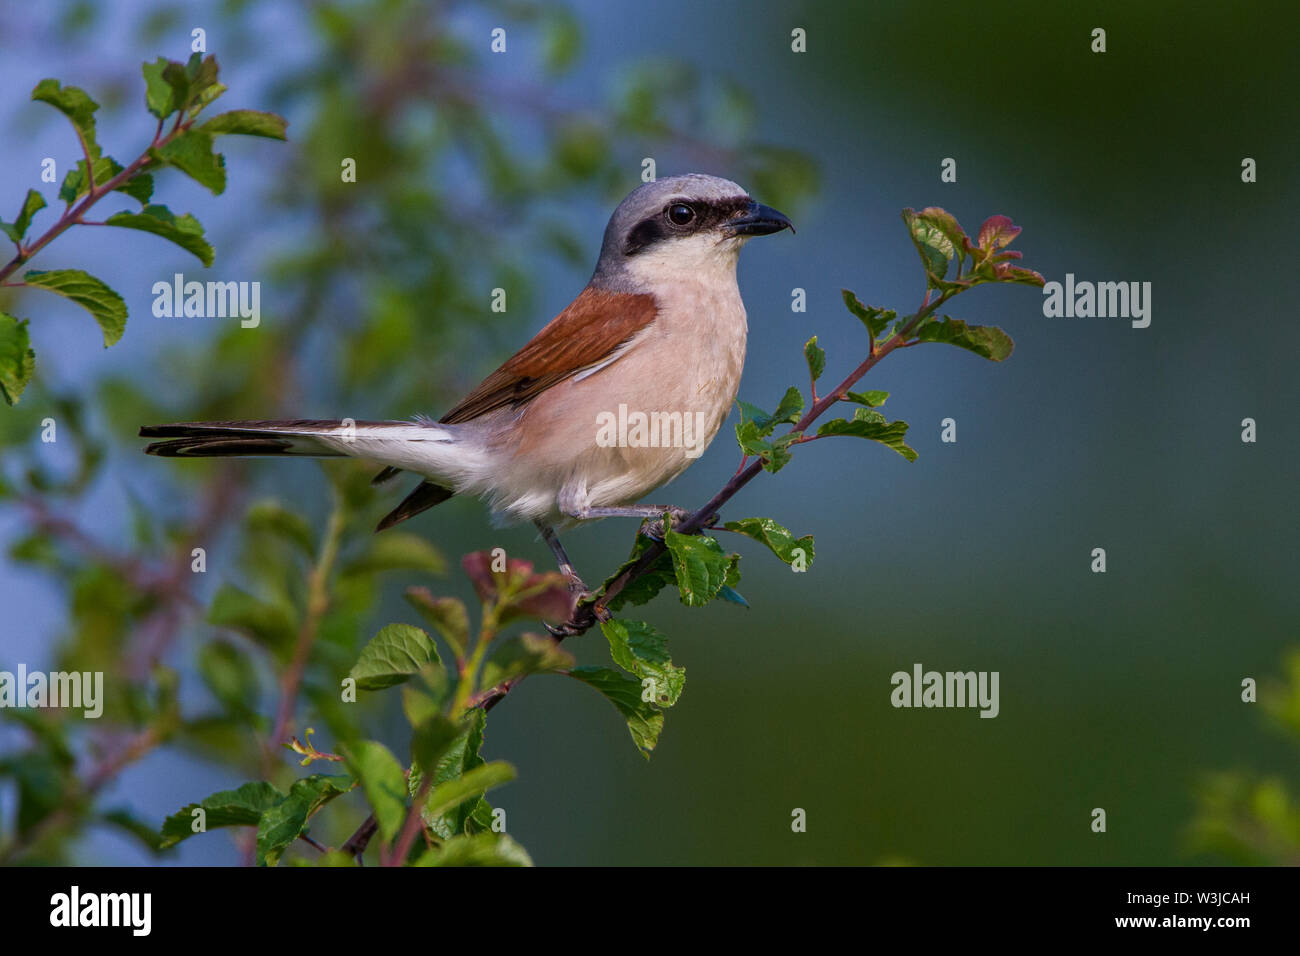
{"type": "Point", "coordinates": [997, 232]}
{"type": "Point", "coordinates": [517, 590]}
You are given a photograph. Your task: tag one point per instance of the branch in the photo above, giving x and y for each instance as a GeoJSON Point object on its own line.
{"type": "Point", "coordinates": [318, 601]}
{"type": "Point", "coordinates": [72, 215]}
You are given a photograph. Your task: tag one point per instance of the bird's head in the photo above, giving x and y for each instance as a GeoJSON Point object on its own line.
{"type": "Point", "coordinates": [681, 224]}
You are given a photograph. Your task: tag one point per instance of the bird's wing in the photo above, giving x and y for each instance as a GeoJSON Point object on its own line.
{"type": "Point", "coordinates": [586, 333]}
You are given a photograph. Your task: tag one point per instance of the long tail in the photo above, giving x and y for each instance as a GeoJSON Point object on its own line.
{"type": "Point", "coordinates": [240, 439]}
{"type": "Point", "coordinates": [315, 438]}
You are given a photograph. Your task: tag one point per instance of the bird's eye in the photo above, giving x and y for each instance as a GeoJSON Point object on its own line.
{"type": "Point", "coordinates": [680, 214]}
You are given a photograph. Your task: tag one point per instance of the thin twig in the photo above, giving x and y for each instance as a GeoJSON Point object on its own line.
{"type": "Point", "coordinates": [318, 602]}
{"type": "Point", "coordinates": [73, 214]}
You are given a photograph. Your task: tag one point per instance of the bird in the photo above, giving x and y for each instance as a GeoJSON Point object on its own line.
{"type": "Point", "coordinates": [614, 398]}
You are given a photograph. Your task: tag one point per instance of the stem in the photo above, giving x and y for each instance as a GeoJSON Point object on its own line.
{"type": "Point", "coordinates": [318, 601]}
{"type": "Point", "coordinates": [357, 843]}
{"type": "Point", "coordinates": [72, 215]}
{"type": "Point", "coordinates": [469, 671]}
{"type": "Point", "coordinates": [411, 825]}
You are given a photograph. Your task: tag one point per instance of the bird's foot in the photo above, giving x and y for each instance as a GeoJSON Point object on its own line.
{"type": "Point", "coordinates": [584, 617]}
{"type": "Point", "coordinates": [653, 528]}
{"type": "Point", "coordinates": [576, 586]}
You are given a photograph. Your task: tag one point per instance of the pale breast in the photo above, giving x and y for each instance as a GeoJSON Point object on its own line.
{"type": "Point", "coordinates": [614, 435]}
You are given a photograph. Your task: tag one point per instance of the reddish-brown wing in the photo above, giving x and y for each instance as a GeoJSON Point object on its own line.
{"type": "Point", "coordinates": [595, 324]}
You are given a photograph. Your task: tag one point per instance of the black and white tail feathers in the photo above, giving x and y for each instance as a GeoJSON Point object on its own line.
{"type": "Point", "coordinates": [310, 437]}
{"type": "Point", "coordinates": [238, 439]}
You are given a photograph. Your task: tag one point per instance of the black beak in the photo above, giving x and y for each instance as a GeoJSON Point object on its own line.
{"type": "Point", "coordinates": [759, 220]}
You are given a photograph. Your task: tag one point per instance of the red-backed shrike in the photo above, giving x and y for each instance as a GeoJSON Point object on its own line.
{"type": "Point", "coordinates": [612, 399]}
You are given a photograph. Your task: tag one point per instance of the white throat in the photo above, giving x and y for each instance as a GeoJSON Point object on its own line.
{"type": "Point", "coordinates": [704, 259]}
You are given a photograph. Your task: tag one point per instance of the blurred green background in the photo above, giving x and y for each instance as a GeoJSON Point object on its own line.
{"type": "Point", "coordinates": [1118, 690]}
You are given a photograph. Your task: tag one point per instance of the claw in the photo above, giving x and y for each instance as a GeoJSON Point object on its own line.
{"type": "Point", "coordinates": [653, 528]}
{"type": "Point", "coordinates": [581, 619]}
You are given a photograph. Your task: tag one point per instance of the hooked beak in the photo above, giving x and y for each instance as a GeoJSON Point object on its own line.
{"type": "Point", "coordinates": [759, 220]}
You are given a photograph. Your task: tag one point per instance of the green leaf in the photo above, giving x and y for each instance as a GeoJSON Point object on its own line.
{"type": "Point", "coordinates": [887, 433]}
{"type": "Point", "coordinates": [871, 399]}
{"type": "Point", "coordinates": [642, 651]}
{"type": "Point", "coordinates": [756, 425]}
{"type": "Point", "coordinates": [985, 340]}
{"type": "Point", "coordinates": [374, 767]}
{"type": "Point", "coordinates": [700, 565]}
{"type": "Point", "coordinates": [201, 74]}
{"type": "Point", "coordinates": [159, 95]}
{"type": "Point", "coordinates": [271, 625]}
{"type": "Point", "coordinates": [228, 672]}
{"type": "Point", "coordinates": [561, 37]}
{"type": "Point", "coordinates": [935, 249]}
{"type": "Point", "coordinates": [876, 320]}
{"type": "Point", "coordinates": [17, 229]}
{"type": "Point", "coordinates": [392, 656]}
{"type": "Point", "coordinates": [646, 587]}
{"type": "Point", "coordinates": [132, 826]}
{"type": "Point", "coordinates": [460, 758]}
{"type": "Point", "coordinates": [76, 184]}
{"type": "Point", "coordinates": [184, 230]}
{"type": "Point", "coordinates": [781, 542]}
{"type": "Point", "coordinates": [775, 453]}
{"type": "Point", "coordinates": [431, 738]}
{"type": "Point", "coordinates": [102, 302]}
{"type": "Point", "coordinates": [397, 551]}
{"type": "Point", "coordinates": [281, 824]}
{"type": "Point", "coordinates": [787, 412]}
{"type": "Point", "coordinates": [524, 654]}
{"type": "Point", "coordinates": [207, 97]}
{"type": "Point", "coordinates": [446, 615]}
{"type": "Point", "coordinates": [948, 226]}
{"type": "Point", "coordinates": [76, 105]}
{"type": "Point", "coordinates": [479, 849]}
{"type": "Point", "coordinates": [424, 700]}
{"type": "Point", "coordinates": [270, 517]}
{"type": "Point", "coordinates": [228, 808]}
{"type": "Point", "coordinates": [446, 797]}
{"type": "Point", "coordinates": [138, 187]}
{"type": "Point", "coordinates": [790, 407]}
{"type": "Point", "coordinates": [644, 721]}
{"type": "Point", "coordinates": [816, 357]}
{"type": "Point", "coordinates": [192, 154]}
{"type": "Point", "coordinates": [17, 360]}
{"type": "Point", "coordinates": [171, 86]}
{"type": "Point", "coordinates": [246, 123]}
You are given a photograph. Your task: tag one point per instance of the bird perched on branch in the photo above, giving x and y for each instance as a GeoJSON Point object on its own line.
{"type": "Point", "coordinates": [615, 397]}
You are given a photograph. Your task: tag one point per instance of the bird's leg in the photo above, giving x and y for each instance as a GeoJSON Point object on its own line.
{"type": "Point", "coordinates": [630, 511]}
{"type": "Point", "coordinates": [567, 629]}
{"type": "Point", "coordinates": [652, 516]}
{"type": "Point", "coordinates": [566, 566]}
